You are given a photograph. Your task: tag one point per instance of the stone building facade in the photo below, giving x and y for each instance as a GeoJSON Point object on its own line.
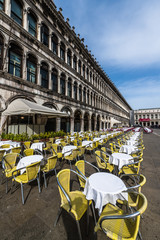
{"type": "Point", "coordinates": [147, 117]}
{"type": "Point", "coordinates": [43, 60]}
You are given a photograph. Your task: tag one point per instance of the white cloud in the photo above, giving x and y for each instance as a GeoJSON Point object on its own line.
{"type": "Point", "coordinates": [142, 93]}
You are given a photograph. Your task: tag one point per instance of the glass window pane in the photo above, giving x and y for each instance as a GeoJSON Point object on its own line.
{"type": "Point", "coordinates": [1, 4]}
{"type": "Point", "coordinates": [16, 11]}
{"type": "Point", "coordinates": [32, 25]}
{"type": "Point", "coordinates": [15, 64]}
{"type": "Point", "coordinates": [31, 72]}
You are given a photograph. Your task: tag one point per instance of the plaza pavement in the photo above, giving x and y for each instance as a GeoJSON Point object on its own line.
{"type": "Point", "coordinates": [35, 219]}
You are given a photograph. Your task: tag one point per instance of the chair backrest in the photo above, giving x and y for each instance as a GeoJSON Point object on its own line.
{"type": "Point", "coordinates": [81, 150]}
{"type": "Point", "coordinates": [27, 144]}
{"type": "Point", "coordinates": [28, 152]}
{"type": "Point", "coordinates": [51, 162]}
{"type": "Point", "coordinates": [32, 171]}
{"type": "Point", "coordinates": [10, 160]}
{"type": "Point", "coordinates": [36, 141]}
{"type": "Point", "coordinates": [55, 146]}
{"type": "Point", "coordinates": [51, 140]}
{"type": "Point", "coordinates": [5, 146]}
{"type": "Point", "coordinates": [80, 168]}
{"type": "Point", "coordinates": [48, 144]}
{"type": "Point", "coordinates": [63, 179]}
{"type": "Point", "coordinates": [75, 153]}
{"type": "Point", "coordinates": [100, 163]}
{"type": "Point", "coordinates": [1, 154]}
{"type": "Point", "coordinates": [16, 150]}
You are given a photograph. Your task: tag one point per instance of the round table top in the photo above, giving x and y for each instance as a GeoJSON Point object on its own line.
{"type": "Point", "coordinates": [26, 161]}
{"type": "Point", "coordinates": [122, 156]}
{"type": "Point", "coordinates": [106, 183]}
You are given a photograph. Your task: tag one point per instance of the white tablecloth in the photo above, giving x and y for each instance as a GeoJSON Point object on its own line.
{"type": "Point", "coordinates": [128, 149]}
{"type": "Point", "coordinates": [87, 143]}
{"type": "Point", "coordinates": [132, 142]}
{"type": "Point", "coordinates": [98, 139]}
{"type": "Point", "coordinates": [104, 188]}
{"type": "Point", "coordinates": [25, 161]}
{"type": "Point", "coordinates": [67, 150]}
{"type": "Point", "coordinates": [120, 159]}
{"type": "Point", "coordinates": [38, 146]}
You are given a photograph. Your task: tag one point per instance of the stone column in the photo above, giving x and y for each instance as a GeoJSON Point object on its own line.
{"type": "Point", "coordinates": [39, 31]}
{"type": "Point", "coordinates": [58, 124]}
{"type": "Point", "coordinates": [66, 87]}
{"type": "Point", "coordinates": [72, 124]}
{"type": "Point", "coordinates": [82, 124]}
{"type": "Point", "coordinates": [95, 124]}
{"type": "Point", "coordinates": [5, 58]}
{"type": "Point", "coordinates": [58, 49]}
{"type": "Point", "coordinates": [50, 79]}
{"type": "Point", "coordinates": [38, 74]}
{"type": "Point", "coordinates": [72, 87]}
{"type": "Point", "coordinates": [50, 42]}
{"type": "Point", "coordinates": [89, 124]}
{"type": "Point", "coordinates": [58, 82]}
{"type": "Point", "coordinates": [7, 7]}
{"type": "Point", "coordinates": [25, 15]}
{"type": "Point", "coordinates": [65, 56]}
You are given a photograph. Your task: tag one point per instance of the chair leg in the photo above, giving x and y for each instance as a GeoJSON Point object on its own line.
{"type": "Point", "coordinates": [140, 235]}
{"type": "Point", "coordinates": [79, 230]}
{"type": "Point", "coordinates": [58, 216]}
{"type": "Point", "coordinates": [45, 182]}
{"type": "Point", "coordinates": [88, 218]}
{"type": "Point", "coordinates": [22, 193]}
{"type": "Point", "coordinates": [93, 213]}
{"type": "Point", "coordinates": [6, 185]}
{"type": "Point", "coordinates": [38, 181]}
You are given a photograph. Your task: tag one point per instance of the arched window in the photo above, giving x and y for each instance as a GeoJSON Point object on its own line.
{"type": "Point", "coordinates": [80, 93]}
{"type": "Point", "coordinates": [84, 70]}
{"type": "Point", "coordinates": [15, 60]}
{"type": "Point", "coordinates": [44, 75]}
{"type": "Point", "coordinates": [88, 97]}
{"type": "Point", "coordinates": [32, 24]}
{"type": "Point", "coordinates": [69, 88]}
{"type": "Point", "coordinates": [54, 78]}
{"type": "Point", "coordinates": [31, 68]}
{"type": "Point", "coordinates": [62, 84]}
{"type": "Point", "coordinates": [75, 63]}
{"type": "Point", "coordinates": [84, 95]}
{"type": "Point", "coordinates": [16, 11]}
{"type": "Point", "coordinates": [1, 51]}
{"type": "Point", "coordinates": [54, 44]}
{"type": "Point", "coordinates": [1, 4]}
{"type": "Point", "coordinates": [87, 74]}
{"type": "Point", "coordinates": [69, 57]}
{"type": "Point", "coordinates": [62, 51]}
{"type": "Point", "coordinates": [75, 90]}
{"type": "Point", "coordinates": [44, 34]}
{"type": "Point", "coordinates": [91, 77]}
{"type": "Point", "coordinates": [79, 66]}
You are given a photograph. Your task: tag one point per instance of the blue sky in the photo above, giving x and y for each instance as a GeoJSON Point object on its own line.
{"type": "Point", "coordinates": [124, 36]}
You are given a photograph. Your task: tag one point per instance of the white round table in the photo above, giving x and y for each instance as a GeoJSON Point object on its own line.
{"type": "Point", "coordinates": [104, 188]}
{"type": "Point", "coordinates": [67, 150]}
{"type": "Point", "coordinates": [38, 146]}
{"type": "Point", "coordinates": [87, 143]}
{"type": "Point", "coordinates": [26, 161]}
{"type": "Point", "coordinates": [120, 159]}
{"type": "Point", "coordinates": [128, 149]}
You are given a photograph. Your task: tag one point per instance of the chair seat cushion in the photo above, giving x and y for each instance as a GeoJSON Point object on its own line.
{"type": "Point", "coordinates": [79, 204]}
{"type": "Point", "coordinates": [21, 178]}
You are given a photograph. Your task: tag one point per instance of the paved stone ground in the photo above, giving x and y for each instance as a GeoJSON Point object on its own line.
{"type": "Point", "coordinates": [35, 219]}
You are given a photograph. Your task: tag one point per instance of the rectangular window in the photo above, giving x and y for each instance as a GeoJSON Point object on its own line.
{"type": "Point", "coordinates": [31, 72]}
{"type": "Point", "coordinates": [31, 25]}
{"type": "Point", "coordinates": [16, 11]}
{"type": "Point", "coordinates": [15, 64]}
{"type": "Point", "coordinates": [1, 4]}
{"type": "Point", "coordinates": [44, 78]}
{"type": "Point", "coordinates": [62, 54]}
{"type": "Point", "coordinates": [54, 47]}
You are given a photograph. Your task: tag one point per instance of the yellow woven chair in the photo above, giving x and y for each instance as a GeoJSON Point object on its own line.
{"type": "Point", "coordinates": [133, 182]}
{"type": "Point", "coordinates": [16, 150]}
{"type": "Point", "coordinates": [72, 157]}
{"type": "Point", "coordinates": [131, 168]}
{"type": "Point", "coordinates": [27, 144]}
{"type": "Point", "coordinates": [101, 163]}
{"type": "Point", "coordinates": [48, 147]}
{"type": "Point", "coordinates": [81, 152]}
{"type": "Point", "coordinates": [5, 146]}
{"type": "Point", "coordinates": [105, 156]}
{"type": "Point", "coordinates": [116, 224]}
{"type": "Point", "coordinates": [2, 152]}
{"type": "Point", "coordinates": [91, 147]}
{"type": "Point", "coordinates": [36, 141]}
{"type": "Point", "coordinates": [9, 162]}
{"type": "Point", "coordinates": [72, 201]}
{"type": "Point", "coordinates": [28, 152]}
{"type": "Point", "coordinates": [50, 166]}
{"type": "Point", "coordinates": [54, 150]}
{"type": "Point", "coordinates": [31, 173]}
{"type": "Point", "coordinates": [81, 170]}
